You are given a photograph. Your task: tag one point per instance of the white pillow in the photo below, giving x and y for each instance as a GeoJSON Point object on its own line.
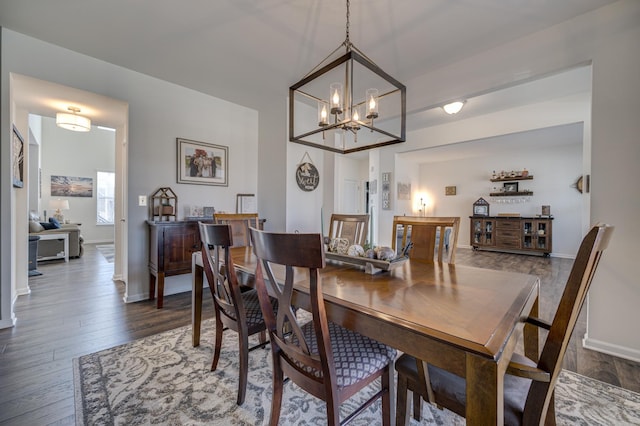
{"type": "Point", "coordinates": [35, 226]}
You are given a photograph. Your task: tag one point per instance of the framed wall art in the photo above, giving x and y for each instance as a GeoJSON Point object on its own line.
{"type": "Point", "coordinates": [202, 163]}
{"type": "Point", "coordinates": [17, 154]}
{"type": "Point", "coordinates": [71, 186]}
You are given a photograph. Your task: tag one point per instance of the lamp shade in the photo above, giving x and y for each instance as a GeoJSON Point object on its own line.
{"type": "Point", "coordinates": [59, 204]}
{"type": "Point", "coordinates": [74, 122]}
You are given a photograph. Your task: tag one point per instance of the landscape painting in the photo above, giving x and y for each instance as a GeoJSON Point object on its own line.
{"type": "Point", "coordinates": [69, 186]}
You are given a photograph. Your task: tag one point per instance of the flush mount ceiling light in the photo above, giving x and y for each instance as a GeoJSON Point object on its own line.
{"type": "Point", "coordinates": [72, 121]}
{"type": "Point", "coordinates": [453, 107]}
{"type": "Point", "coordinates": [359, 106]}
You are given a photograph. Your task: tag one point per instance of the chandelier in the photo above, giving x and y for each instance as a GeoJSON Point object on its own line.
{"type": "Point", "coordinates": [347, 104]}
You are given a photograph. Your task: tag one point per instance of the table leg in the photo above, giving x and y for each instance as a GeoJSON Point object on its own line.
{"type": "Point", "coordinates": [485, 390]}
{"type": "Point", "coordinates": [196, 302]}
{"type": "Point", "coordinates": [152, 286]}
{"type": "Point", "coordinates": [66, 248]}
{"type": "Point", "coordinates": [160, 290]}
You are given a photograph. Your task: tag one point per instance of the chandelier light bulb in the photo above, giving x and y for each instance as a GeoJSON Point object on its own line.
{"type": "Point", "coordinates": [372, 106]}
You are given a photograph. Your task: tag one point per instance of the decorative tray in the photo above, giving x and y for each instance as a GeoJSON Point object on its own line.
{"type": "Point", "coordinates": [371, 266]}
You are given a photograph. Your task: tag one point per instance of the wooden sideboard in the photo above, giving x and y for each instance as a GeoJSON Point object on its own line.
{"type": "Point", "coordinates": [513, 234]}
{"type": "Point", "coordinates": [171, 244]}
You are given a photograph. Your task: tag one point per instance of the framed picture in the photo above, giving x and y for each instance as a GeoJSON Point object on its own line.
{"type": "Point", "coordinates": [449, 190]}
{"type": "Point", "coordinates": [71, 186]}
{"type": "Point", "coordinates": [17, 154]}
{"type": "Point", "coordinates": [246, 203]}
{"type": "Point", "coordinates": [202, 163]}
{"type": "Point", "coordinates": [511, 187]}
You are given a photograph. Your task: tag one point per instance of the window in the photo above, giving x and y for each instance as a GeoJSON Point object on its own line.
{"type": "Point", "coordinates": [106, 184]}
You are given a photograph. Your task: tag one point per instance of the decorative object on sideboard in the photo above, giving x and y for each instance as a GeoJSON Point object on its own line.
{"type": "Point", "coordinates": [347, 117]}
{"type": "Point", "coordinates": [164, 205]}
{"type": "Point", "coordinates": [246, 203]}
{"type": "Point", "coordinates": [202, 163]}
{"type": "Point", "coordinates": [59, 205]}
{"type": "Point", "coordinates": [481, 207]}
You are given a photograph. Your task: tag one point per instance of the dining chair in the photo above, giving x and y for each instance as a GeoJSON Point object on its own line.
{"type": "Point", "coordinates": [240, 224]}
{"type": "Point", "coordinates": [235, 309]}
{"type": "Point", "coordinates": [353, 227]}
{"type": "Point", "coordinates": [427, 237]}
{"type": "Point", "coordinates": [528, 385]}
{"type": "Point", "coordinates": [324, 359]}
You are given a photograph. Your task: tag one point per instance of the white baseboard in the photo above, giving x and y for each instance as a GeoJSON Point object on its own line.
{"type": "Point", "coordinates": [8, 323]}
{"type": "Point", "coordinates": [611, 349]}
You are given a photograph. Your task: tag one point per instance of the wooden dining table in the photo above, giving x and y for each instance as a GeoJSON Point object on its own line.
{"type": "Point", "coordinates": [462, 319]}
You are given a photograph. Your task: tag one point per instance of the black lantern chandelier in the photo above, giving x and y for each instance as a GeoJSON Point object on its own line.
{"type": "Point", "coordinates": [347, 104]}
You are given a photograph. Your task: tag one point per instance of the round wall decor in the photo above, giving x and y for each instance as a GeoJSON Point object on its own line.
{"type": "Point", "coordinates": [307, 176]}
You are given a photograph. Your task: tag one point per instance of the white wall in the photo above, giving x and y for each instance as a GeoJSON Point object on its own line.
{"type": "Point", "coordinates": [607, 37]}
{"type": "Point", "coordinates": [159, 112]}
{"type": "Point", "coordinates": [77, 154]}
{"type": "Point", "coordinates": [554, 167]}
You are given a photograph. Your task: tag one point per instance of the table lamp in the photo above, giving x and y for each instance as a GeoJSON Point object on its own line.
{"type": "Point", "coordinates": [59, 205]}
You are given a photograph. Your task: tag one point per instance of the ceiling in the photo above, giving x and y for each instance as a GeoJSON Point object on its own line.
{"type": "Point", "coordinates": [250, 51]}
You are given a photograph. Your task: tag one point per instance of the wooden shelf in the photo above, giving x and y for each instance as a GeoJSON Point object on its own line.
{"type": "Point", "coordinates": [509, 179]}
{"type": "Point", "coordinates": [510, 194]}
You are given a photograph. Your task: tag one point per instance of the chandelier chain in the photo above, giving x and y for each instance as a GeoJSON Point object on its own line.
{"type": "Point", "coordinates": [347, 42]}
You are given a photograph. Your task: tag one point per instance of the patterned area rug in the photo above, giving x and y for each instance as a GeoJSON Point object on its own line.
{"type": "Point", "coordinates": [162, 379]}
{"type": "Point", "coordinates": [107, 251]}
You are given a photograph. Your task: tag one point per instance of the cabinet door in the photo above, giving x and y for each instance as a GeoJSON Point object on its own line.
{"type": "Point", "coordinates": [543, 235]}
{"type": "Point", "coordinates": [179, 243]}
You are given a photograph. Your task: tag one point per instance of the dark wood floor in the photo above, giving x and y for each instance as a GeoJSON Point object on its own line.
{"type": "Point", "coordinates": [75, 308]}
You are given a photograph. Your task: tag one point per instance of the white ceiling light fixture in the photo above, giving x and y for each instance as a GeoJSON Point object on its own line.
{"type": "Point", "coordinates": [73, 121]}
{"type": "Point", "coordinates": [359, 106]}
{"type": "Point", "coordinates": [453, 107]}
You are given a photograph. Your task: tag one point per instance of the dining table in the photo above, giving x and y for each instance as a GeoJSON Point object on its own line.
{"type": "Point", "coordinates": [462, 319]}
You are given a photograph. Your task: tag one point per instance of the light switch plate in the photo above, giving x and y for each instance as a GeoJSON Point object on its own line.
{"type": "Point", "coordinates": [142, 200]}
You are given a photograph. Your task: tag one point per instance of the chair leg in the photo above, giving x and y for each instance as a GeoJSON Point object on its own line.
{"type": "Point", "coordinates": [278, 389]}
{"type": "Point", "coordinates": [244, 366]}
{"type": "Point", "coordinates": [386, 396]}
{"type": "Point", "coordinates": [417, 405]}
{"type": "Point", "coordinates": [218, 342]}
{"type": "Point", "coordinates": [401, 400]}
{"type": "Point", "coordinates": [550, 420]}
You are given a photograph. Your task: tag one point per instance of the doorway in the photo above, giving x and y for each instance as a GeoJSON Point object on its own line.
{"type": "Point", "coordinates": [42, 98]}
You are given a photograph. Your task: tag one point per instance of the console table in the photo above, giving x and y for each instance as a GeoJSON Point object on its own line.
{"type": "Point", "coordinates": [171, 244]}
{"type": "Point", "coordinates": [532, 235]}
{"type": "Point", "coordinates": [62, 236]}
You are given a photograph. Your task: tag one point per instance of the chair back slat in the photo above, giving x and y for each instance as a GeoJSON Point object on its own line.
{"type": "Point", "coordinates": [240, 224]}
{"type": "Point", "coordinates": [424, 232]}
{"type": "Point", "coordinates": [353, 227]}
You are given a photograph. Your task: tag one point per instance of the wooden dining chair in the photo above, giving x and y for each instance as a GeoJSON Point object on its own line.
{"type": "Point", "coordinates": [328, 361]}
{"type": "Point", "coordinates": [428, 236]}
{"type": "Point", "coordinates": [528, 385]}
{"type": "Point", "coordinates": [353, 227]}
{"type": "Point", "coordinates": [240, 224]}
{"type": "Point", "coordinates": [235, 309]}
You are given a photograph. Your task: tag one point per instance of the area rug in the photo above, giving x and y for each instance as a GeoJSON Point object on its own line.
{"type": "Point", "coordinates": [162, 379]}
{"type": "Point", "coordinates": [107, 251]}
